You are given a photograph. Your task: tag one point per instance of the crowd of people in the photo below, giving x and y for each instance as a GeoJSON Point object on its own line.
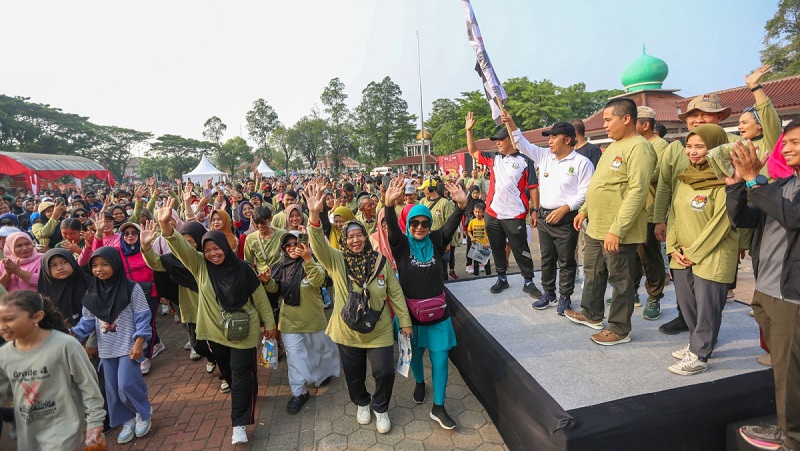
{"type": "Point", "coordinates": [238, 263]}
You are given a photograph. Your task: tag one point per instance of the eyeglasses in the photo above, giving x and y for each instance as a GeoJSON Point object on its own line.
{"type": "Point", "coordinates": [425, 223]}
{"type": "Point", "coordinates": [288, 245]}
{"type": "Point", "coordinates": [131, 233]}
{"type": "Point", "coordinates": [80, 216]}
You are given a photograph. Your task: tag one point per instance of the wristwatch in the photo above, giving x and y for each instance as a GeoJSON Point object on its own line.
{"type": "Point", "coordinates": [759, 180]}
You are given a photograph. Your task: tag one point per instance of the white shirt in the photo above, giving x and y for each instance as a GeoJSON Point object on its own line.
{"type": "Point", "coordinates": [561, 182]}
{"type": "Point", "coordinates": [511, 178]}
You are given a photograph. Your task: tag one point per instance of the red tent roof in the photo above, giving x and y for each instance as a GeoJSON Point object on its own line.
{"type": "Point", "coordinates": [36, 166]}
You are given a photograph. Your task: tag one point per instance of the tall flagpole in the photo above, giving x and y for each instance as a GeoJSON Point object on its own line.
{"type": "Point", "coordinates": [421, 118]}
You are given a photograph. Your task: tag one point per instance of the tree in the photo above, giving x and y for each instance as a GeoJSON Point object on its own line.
{"type": "Point", "coordinates": [382, 123]}
{"type": "Point", "coordinates": [339, 124]}
{"type": "Point", "coordinates": [261, 121]}
{"type": "Point", "coordinates": [114, 147]}
{"type": "Point", "coordinates": [443, 125]}
{"type": "Point", "coordinates": [782, 40]}
{"type": "Point", "coordinates": [307, 137]}
{"type": "Point", "coordinates": [234, 152]}
{"type": "Point", "coordinates": [214, 129]}
{"type": "Point", "coordinates": [283, 149]}
{"type": "Point", "coordinates": [181, 154]}
{"type": "Point", "coordinates": [33, 127]}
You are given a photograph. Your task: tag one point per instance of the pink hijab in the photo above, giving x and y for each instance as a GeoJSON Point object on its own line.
{"type": "Point", "coordinates": [776, 165]}
{"type": "Point", "coordinates": [404, 217]}
{"type": "Point", "coordinates": [30, 264]}
{"type": "Point", "coordinates": [382, 238]}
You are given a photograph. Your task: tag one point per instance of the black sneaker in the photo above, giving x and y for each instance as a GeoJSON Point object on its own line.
{"type": "Point", "coordinates": [325, 382]}
{"type": "Point", "coordinates": [296, 403]}
{"type": "Point", "coordinates": [499, 286]}
{"type": "Point", "coordinates": [675, 326]}
{"type": "Point", "coordinates": [419, 393]}
{"type": "Point", "coordinates": [440, 415]}
{"type": "Point", "coordinates": [531, 289]}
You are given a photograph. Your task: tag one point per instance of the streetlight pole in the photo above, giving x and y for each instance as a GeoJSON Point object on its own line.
{"type": "Point", "coordinates": [421, 117]}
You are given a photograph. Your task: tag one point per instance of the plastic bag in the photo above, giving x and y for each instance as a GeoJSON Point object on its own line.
{"type": "Point", "coordinates": [268, 357]}
{"type": "Point", "coordinates": [479, 253]}
{"type": "Point", "coordinates": [404, 360]}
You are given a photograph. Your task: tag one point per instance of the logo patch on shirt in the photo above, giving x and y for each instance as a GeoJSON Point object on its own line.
{"type": "Point", "coordinates": [617, 162]}
{"type": "Point", "coordinates": [699, 202]}
{"type": "Point", "coordinates": [571, 170]}
{"type": "Point", "coordinates": [381, 280]}
{"type": "Point", "coordinates": [305, 281]}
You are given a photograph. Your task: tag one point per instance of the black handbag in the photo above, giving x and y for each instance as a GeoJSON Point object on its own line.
{"type": "Point", "coordinates": [356, 312]}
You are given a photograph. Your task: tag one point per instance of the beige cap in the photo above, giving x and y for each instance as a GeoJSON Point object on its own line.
{"type": "Point", "coordinates": [645, 112]}
{"type": "Point", "coordinates": [709, 103]}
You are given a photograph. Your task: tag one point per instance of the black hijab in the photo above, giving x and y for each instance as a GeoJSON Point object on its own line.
{"type": "Point", "coordinates": [177, 271]}
{"type": "Point", "coordinates": [65, 294]}
{"type": "Point", "coordinates": [234, 280]}
{"type": "Point", "coordinates": [289, 274]}
{"type": "Point", "coordinates": [106, 299]}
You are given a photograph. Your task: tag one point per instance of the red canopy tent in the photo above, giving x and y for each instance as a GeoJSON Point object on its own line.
{"type": "Point", "coordinates": [36, 166]}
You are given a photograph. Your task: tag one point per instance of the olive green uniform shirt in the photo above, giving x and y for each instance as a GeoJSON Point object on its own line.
{"type": "Point", "coordinates": [309, 316]}
{"type": "Point", "coordinates": [659, 146]}
{"type": "Point", "coordinates": [698, 221]}
{"type": "Point", "coordinates": [617, 193]}
{"type": "Point", "coordinates": [263, 253]}
{"type": "Point", "coordinates": [441, 208]}
{"type": "Point", "coordinates": [187, 299]}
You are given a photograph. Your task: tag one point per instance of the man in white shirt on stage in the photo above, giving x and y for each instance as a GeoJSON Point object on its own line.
{"type": "Point", "coordinates": [564, 176]}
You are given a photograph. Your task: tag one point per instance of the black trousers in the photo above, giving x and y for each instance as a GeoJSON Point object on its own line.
{"type": "Point", "coordinates": [354, 364]}
{"type": "Point", "coordinates": [239, 369]}
{"type": "Point", "coordinates": [650, 263]}
{"type": "Point", "coordinates": [200, 346]}
{"type": "Point", "coordinates": [557, 245]}
{"type": "Point", "coordinates": [516, 232]}
{"type": "Point", "coordinates": [793, 390]}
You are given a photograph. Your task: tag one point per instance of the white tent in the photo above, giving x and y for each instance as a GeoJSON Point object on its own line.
{"type": "Point", "coordinates": [265, 170]}
{"type": "Point", "coordinates": [204, 171]}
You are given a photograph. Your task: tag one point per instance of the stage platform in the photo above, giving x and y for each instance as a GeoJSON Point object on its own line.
{"type": "Point", "coordinates": [548, 386]}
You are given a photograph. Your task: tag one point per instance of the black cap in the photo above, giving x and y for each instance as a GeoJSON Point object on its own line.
{"type": "Point", "coordinates": [561, 128]}
{"type": "Point", "coordinates": [500, 132]}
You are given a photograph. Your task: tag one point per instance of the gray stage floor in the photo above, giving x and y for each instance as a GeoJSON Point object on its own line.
{"type": "Point", "coordinates": [577, 372]}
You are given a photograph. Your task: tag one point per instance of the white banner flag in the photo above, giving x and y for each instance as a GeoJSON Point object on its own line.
{"type": "Point", "coordinates": [491, 85]}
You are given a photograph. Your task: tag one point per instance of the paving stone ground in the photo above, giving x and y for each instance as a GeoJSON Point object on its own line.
{"type": "Point", "coordinates": [189, 413]}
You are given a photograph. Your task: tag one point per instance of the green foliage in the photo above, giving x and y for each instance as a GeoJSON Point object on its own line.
{"type": "Point", "coordinates": [782, 40]}
{"type": "Point", "coordinates": [114, 147]}
{"type": "Point", "coordinates": [234, 152]}
{"type": "Point", "coordinates": [534, 104]}
{"type": "Point", "coordinates": [214, 129]}
{"type": "Point", "coordinates": [261, 121]}
{"type": "Point", "coordinates": [283, 150]}
{"type": "Point", "coordinates": [339, 124]}
{"type": "Point", "coordinates": [382, 124]}
{"type": "Point", "coordinates": [308, 139]}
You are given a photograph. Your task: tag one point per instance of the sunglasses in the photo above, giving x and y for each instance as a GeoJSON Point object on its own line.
{"type": "Point", "coordinates": [288, 245]}
{"type": "Point", "coordinates": [6, 223]}
{"type": "Point", "coordinates": [131, 233]}
{"type": "Point", "coordinates": [425, 223]}
{"type": "Point", "coordinates": [80, 216]}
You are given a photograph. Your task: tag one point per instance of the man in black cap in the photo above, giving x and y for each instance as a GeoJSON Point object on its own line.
{"type": "Point", "coordinates": [564, 176]}
{"type": "Point", "coordinates": [513, 193]}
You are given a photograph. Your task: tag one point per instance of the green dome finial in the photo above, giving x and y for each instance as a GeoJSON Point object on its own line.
{"type": "Point", "coordinates": [644, 73]}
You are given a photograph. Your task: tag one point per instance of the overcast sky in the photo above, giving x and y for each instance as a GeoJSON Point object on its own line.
{"type": "Point", "coordinates": [167, 66]}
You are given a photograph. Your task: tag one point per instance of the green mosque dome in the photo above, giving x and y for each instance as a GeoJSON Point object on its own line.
{"type": "Point", "coordinates": [645, 73]}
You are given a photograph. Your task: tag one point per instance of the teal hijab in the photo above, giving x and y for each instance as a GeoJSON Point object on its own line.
{"type": "Point", "coordinates": [422, 249]}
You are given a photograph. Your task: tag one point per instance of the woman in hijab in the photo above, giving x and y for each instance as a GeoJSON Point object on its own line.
{"type": "Point", "coordinates": [704, 247]}
{"type": "Point", "coordinates": [225, 284]}
{"type": "Point", "coordinates": [169, 266]}
{"type": "Point", "coordinates": [220, 221]}
{"type": "Point", "coordinates": [117, 309]}
{"type": "Point", "coordinates": [311, 356]}
{"type": "Point", "coordinates": [119, 214]}
{"type": "Point", "coordinates": [380, 240]}
{"type": "Point", "coordinates": [64, 282]}
{"type": "Point", "coordinates": [341, 215]}
{"type": "Point", "coordinates": [294, 218]}
{"type": "Point", "coordinates": [21, 263]}
{"type": "Point", "coordinates": [358, 265]}
{"type": "Point", "coordinates": [419, 253]}
{"type": "Point", "coordinates": [242, 216]}
{"type": "Point", "coordinates": [82, 215]}
{"type": "Point", "coordinates": [47, 231]}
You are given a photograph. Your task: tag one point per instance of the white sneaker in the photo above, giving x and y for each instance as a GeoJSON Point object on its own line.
{"type": "Point", "coordinates": [194, 355]}
{"type": "Point", "coordinates": [363, 416]}
{"type": "Point", "coordinates": [224, 387]}
{"type": "Point", "coordinates": [157, 348]}
{"type": "Point", "coordinates": [210, 367]}
{"type": "Point", "coordinates": [681, 353]}
{"type": "Point", "coordinates": [239, 435]}
{"type": "Point", "coordinates": [482, 268]}
{"type": "Point", "coordinates": [176, 319]}
{"type": "Point", "coordinates": [187, 346]}
{"type": "Point", "coordinates": [468, 269]}
{"type": "Point", "coordinates": [143, 426]}
{"type": "Point", "coordinates": [690, 365]}
{"type": "Point", "coordinates": [127, 432]}
{"type": "Point", "coordinates": [144, 367]}
{"type": "Point", "coordinates": [383, 424]}
{"type": "Point", "coordinates": [164, 309]}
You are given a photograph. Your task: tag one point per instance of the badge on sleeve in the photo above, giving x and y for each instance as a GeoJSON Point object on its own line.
{"type": "Point", "coordinates": [381, 280]}
{"type": "Point", "coordinates": [617, 162]}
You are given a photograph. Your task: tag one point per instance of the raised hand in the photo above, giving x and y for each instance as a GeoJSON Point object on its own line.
{"type": "Point", "coordinates": [469, 122]}
{"type": "Point", "coordinates": [148, 235]}
{"type": "Point", "coordinates": [58, 211]}
{"type": "Point", "coordinates": [187, 194]}
{"type": "Point", "coordinates": [752, 79]}
{"type": "Point", "coordinates": [165, 212]}
{"type": "Point", "coordinates": [315, 197]}
{"type": "Point", "coordinates": [395, 191]}
{"type": "Point", "coordinates": [139, 192]}
{"type": "Point", "coordinates": [457, 194]}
